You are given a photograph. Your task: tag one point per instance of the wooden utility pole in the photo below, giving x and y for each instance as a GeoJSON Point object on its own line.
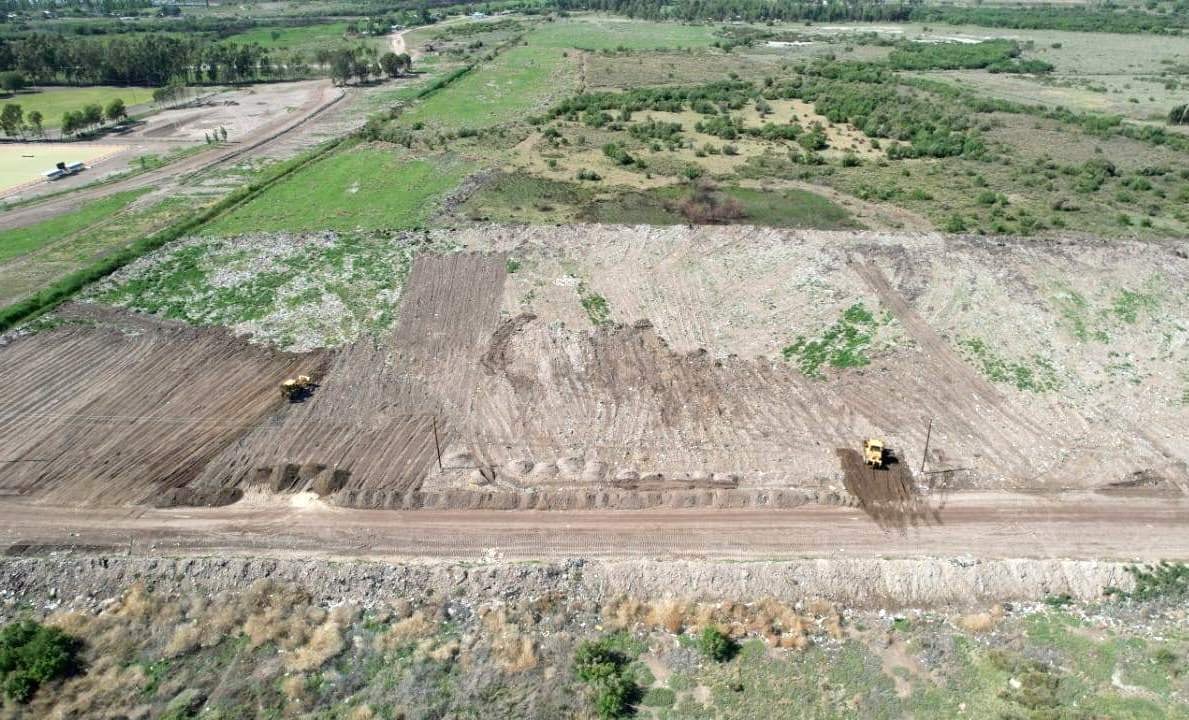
{"type": "Point", "coordinates": [436, 445]}
{"type": "Point", "coordinates": [925, 455]}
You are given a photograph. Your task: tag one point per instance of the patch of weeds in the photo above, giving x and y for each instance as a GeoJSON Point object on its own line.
{"type": "Point", "coordinates": [1129, 304]}
{"type": "Point", "coordinates": [512, 265]}
{"type": "Point", "coordinates": [1164, 580]}
{"type": "Point", "coordinates": [1075, 309]}
{"type": "Point", "coordinates": [1037, 376]}
{"type": "Point", "coordinates": [658, 697]}
{"type": "Point", "coordinates": [595, 305]}
{"type": "Point", "coordinates": [842, 345]}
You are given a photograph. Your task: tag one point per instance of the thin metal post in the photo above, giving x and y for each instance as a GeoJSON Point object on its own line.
{"type": "Point", "coordinates": [928, 435]}
{"type": "Point", "coordinates": [436, 445]}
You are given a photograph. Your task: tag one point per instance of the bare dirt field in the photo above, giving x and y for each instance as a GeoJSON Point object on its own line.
{"type": "Point", "coordinates": [542, 369]}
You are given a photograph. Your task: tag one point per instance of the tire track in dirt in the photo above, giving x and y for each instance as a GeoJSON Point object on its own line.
{"type": "Point", "coordinates": [98, 416]}
{"type": "Point", "coordinates": [372, 416]}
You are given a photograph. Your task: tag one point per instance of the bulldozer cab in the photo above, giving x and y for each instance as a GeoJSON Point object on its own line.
{"type": "Point", "coordinates": [295, 388]}
{"type": "Point", "coordinates": [873, 450]}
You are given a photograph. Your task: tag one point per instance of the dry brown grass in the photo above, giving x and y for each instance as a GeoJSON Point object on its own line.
{"type": "Point", "coordinates": [413, 628]}
{"type": "Point", "coordinates": [514, 650]}
{"type": "Point", "coordinates": [325, 642]}
{"type": "Point", "coordinates": [980, 622]}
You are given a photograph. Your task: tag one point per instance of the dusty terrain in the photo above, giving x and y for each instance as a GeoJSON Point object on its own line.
{"type": "Point", "coordinates": [539, 370]}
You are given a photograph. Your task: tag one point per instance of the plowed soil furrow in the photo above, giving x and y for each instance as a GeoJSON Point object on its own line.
{"type": "Point", "coordinates": [372, 414]}
{"type": "Point", "coordinates": [138, 414]}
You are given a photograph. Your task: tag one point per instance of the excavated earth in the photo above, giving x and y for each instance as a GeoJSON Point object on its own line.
{"type": "Point", "coordinates": [631, 367]}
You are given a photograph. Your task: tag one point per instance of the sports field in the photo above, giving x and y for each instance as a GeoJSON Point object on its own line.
{"type": "Point", "coordinates": [24, 162]}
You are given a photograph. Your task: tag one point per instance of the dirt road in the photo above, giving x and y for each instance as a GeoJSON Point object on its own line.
{"type": "Point", "coordinates": [990, 525]}
{"type": "Point", "coordinates": [400, 46]}
{"type": "Point", "coordinates": [258, 139]}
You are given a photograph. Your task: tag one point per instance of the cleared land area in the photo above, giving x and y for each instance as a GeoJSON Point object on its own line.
{"type": "Point", "coordinates": [550, 375]}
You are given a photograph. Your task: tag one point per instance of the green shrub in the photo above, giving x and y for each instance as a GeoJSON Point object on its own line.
{"type": "Point", "coordinates": [604, 668]}
{"type": "Point", "coordinates": [716, 645]}
{"type": "Point", "coordinates": [32, 654]}
{"type": "Point", "coordinates": [1164, 580]}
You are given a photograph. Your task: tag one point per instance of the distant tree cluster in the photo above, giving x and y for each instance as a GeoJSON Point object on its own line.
{"type": "Point", "coordinates": [147, 60]}
{"type": "Point", "coordinates": [1090, 18]}
{"type": "Point", "coordinates": [992, 55]}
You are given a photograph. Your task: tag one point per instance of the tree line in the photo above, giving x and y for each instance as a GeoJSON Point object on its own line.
{"type": "Point", "coordinates": [15, 123]}
{"type": "Point", "coordinates": [1047, 17]}
{"type": "Point", "coordinates": [148, 60]}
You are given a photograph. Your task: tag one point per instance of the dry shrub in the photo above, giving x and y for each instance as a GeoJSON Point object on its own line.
{"type": "Point", "coordinates": [186, 637]}
{"type": "Point", "coordinates": [325, 643]}
{"type": "Point", "coordinates": [294, 688]}
{"type": "Point", "coordinates": [280, 614]}
{"type": "Point", "coordinates": [412, 628]}
{"type": "Point", "coordinates": [706, 206]}
{"type": "Point", "coordinates": [977, 622]}
{"type": "Point", "coordinates": [363, 712]}
{"type": "Point", "coordinates": [515, 653]}
{"type": "Point", "coordinates": [668, 614]}
{"type": "Point", "coordinates": [820, 608]}
{"type": "Point", "coordinates": [444, 652]}
{"type": "Point", "coordinates": [135, 604]}
{"type": "Point", "coordinates": [513, 650]}
{"type": "Point", "coordinates": [623, 612]}
{"type": "Point", "coordinates": [71, 623]}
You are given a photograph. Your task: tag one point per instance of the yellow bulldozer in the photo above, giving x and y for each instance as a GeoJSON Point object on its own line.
{"type": "Point", "coordinates": [295, 388]}
{"type": "Point", "coordinates": [873, 449]}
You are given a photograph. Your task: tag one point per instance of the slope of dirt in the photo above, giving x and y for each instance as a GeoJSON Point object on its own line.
{"type": "Point", "coordinates": [121, 412]}
{"type": "Point", "coordinates": [858, 583]}
{"type": "Point", "coordinates": [373, 417]}
{"type": "Point", "coordinates": [636, 367]}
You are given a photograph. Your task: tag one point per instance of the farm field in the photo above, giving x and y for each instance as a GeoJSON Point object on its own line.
{"type": "Point", "coordinates": [305, 39]}
{"type": "Point", "coordinates": [53, 102]}
{"type": "Point", "coordinates": [27, 239]}
{"type": "Point", "coordinates": [24, 163]}
{"type": "Point", "coordinates": [363, 187]}
{"type": "Point", "coordinates": [519, 82]}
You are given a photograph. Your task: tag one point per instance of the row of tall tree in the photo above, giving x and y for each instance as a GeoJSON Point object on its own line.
{"type": "Point", "coordinates": [15, 123]}
{"type": "Point", "coordinates": [360, 64]}
{"type": "Point", "coordinates": [147, 60]}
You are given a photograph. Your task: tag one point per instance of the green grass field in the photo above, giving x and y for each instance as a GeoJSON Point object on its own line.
{"type": "Point", "coordinates": [306, 39]}
{"type": "Point", "coordinates": [21, 163]}
{"type": "Point", "coordinates": [601, 32]}
{"type": "Point", "coordinates": [54, 102]}
{"type": "Point", "coordinates": [27, 239]}
{"type": "Point", "coordinates": [518, 83]}
{"type": "Point", "coordinates": [366, 187]}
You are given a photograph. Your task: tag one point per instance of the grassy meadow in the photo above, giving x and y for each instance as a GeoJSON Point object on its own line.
{"type": "Point", "coordinates": [52, 103]}
{"type": "Point", "coordinates": [361, 188]}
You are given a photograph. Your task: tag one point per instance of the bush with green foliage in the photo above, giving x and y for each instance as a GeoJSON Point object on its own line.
{"type": "Point", "coordinates": [1164, 580]}
{"type": "Point", "coordinates": [32, 654]}
{"type": "Point", "coordinates": [604, 668]}
{"type": "Point", "coordinates": [716, 645]}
